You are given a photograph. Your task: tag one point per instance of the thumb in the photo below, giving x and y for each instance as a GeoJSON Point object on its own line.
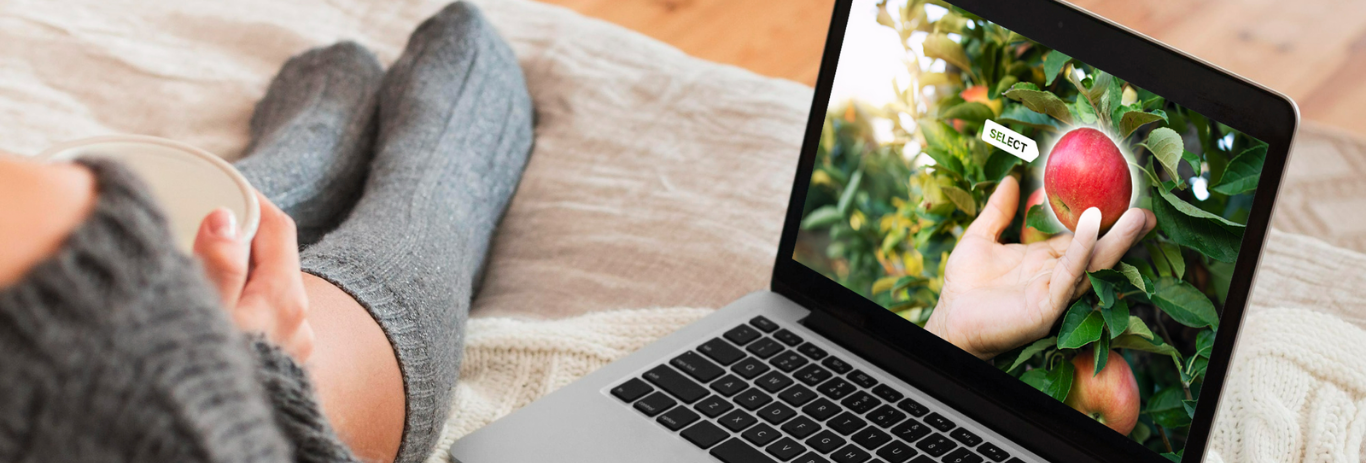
{"type": "Point", "coordinates": [223, 254]}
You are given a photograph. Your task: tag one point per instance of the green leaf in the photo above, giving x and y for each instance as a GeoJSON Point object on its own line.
{"type": "Point", "coordinates": [822, 217]}
{"type": "Point", "coordinates": [1166, 146]}
{"type": "Point", "coordinates": [999, 165]}
{"type": "Point", "coordinates": [1184, 303]}
{"type": "Point", "coordinates": [850, 190]}
{"type": "Point", "coordinates": [1204, 343]}
{"type": "Point", "coordinates": [1105, 92]}
{"type": "Point", "coordinates": [1134, 275]}
{"type": "Point", "coordinates": [1138, 328]}
{"type": "Point", "coordinates": [1002, 86]}
{"type": "Point", "coordinates": [1195, 368]}
{"type": "Point", "coordinates": [1242, 172]}
{"type": "Point", "coordinates": [939, 45]}
{"type": "Point", "coordinates": [1153, 345]}
{"type": "Point", "coordinates": [1019, 114]}
{"type": "Point", "coordinates": [1197, 229]}
{"type": "Point", "coordinates": [1081, 326]}
{"type": "Point", "coordinates": [1060, 381]}
{"type": "Point", "coordinates": [1109, 283]}
{"type": "Point", "coordinates": [1171, 253]}
{"type": "Point", "coordinates": [1037, 218]}
{"type": "Point", "coordinates": [1038, 378]}
{"type": "Point", "coordinates": [1040, 101]}
{"type": "Point", "coordinates": [1053, 64]}
{"type": "Point", "coordinates": [962, 199]}
{"type": "Point", "coordinates": [1130, 121]}
{"type": "Point", "coordinates": [1192, 159]}
{"type": "Point", "coordinates": [1083, 112]}
{"type": "Point", "coordinates": [1116, 318]}
{"type": "Point", "coordinates": [970, 111]}
{"type": "Point", "coordinates": [1189, 405]}
{"type": "Point", "coordinates": [1101, 354]}
{"type": "Point", "coordinates": [1029, 352]}
{"type": "Point", "coordinates": [1166, 408]}
{"type": "Point", "coordinates": [1175, 457]}
{"type": "Point", "coordinates": [1141, 433]}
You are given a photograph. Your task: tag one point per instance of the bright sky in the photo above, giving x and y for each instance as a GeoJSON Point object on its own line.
{"type": "Point", "coordinates": [871, 58]}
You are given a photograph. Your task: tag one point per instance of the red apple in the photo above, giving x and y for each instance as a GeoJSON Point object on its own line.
{"type": "Point", "coordinates": [1030, 234]}
{"type": "Point", "coordinates": [1085, 170]}
{"type": "Point", "coordinates": [1110, 397]}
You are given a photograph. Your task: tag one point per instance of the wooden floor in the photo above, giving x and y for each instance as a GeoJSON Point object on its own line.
{"type": "Point", "coordinates": [1312, 50]}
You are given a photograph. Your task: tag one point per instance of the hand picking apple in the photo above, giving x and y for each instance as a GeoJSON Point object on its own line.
{"type": "Point", "coordinates": [999, 296]}
{"type": "Point", "coordinates": [1085, 169]}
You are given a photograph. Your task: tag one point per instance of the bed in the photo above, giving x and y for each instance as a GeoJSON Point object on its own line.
{"type": "Point", "coordinates": [655, 192]}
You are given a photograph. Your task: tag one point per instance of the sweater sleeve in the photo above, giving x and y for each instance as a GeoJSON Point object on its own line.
{"type": "Point", "coordinates": [115, 349]}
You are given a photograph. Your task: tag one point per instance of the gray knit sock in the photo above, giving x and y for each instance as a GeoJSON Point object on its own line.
{"type": "Point", "coordinates": [455, 132]}
{"type": "Point", "coordinates": [312, 136]}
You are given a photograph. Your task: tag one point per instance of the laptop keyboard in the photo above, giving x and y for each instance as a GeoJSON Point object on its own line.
{"type": "Point", "coordinates": [761, 394]}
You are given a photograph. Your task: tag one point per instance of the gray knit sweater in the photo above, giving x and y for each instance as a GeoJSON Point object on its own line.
{"type": "Point", "coordinates": [116, 350]}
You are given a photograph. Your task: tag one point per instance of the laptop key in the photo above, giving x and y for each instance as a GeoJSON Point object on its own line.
{"type": "Point", "coordinates": [811, 350]}
{"type": "Point", "coordinates": [675, 383]}
{"type": "Point", "coordinates": [837, 365]}
{"type": "Point", "coordinates": [992, 452]}
{"type": "Point", "coordinates": [887, 393]}
{"type": "Point", "coordinates": [822, 409]}
{"type": "Point", "coordinates": [785, 449]}
{"type": "Point", "coordinates": [936, 445]}
{"type": "Point", "coordinates": [811, 457]}
{"type": "Point", "coordinates": [763, 323]}
{"type": "Point", "coordinates": [850, 454]}
{"type": "Point", "coordinates": [870, 438]}
{"type": "Point", "coordinates": [655, 404]}
{"type": "Point", "coordinates": [741, 335]}
{"type": "Point", "coordinates": [788, 361]}
{"type": "Point", "coordinates": [752, 399]}
{"type": "Point", "coordinates": [728, 385]}
{"type": "Point", "coordinates": [846, 423]}
{"type": "Point", "coordinates": [776, 413]}
{"type": "Point", "coordinates": [773, 381]}
{"type": "Point", "coordinates": [836, 388]}
{"type": "Point", "coordinates": [825, 441]}
{"type": "Point", "coordinates": [886, 416]}
{"type": "Point", "coordinates": [965, 437]}
{"type": "Point", "coordinates": [896, 452]}
{"type": "Point", "coordinates": [911, 430]}
{"type": "Point", "coordinates": [939, 422]}
{"type": "Point", "coordinates": [812, 375]}
{"type": "Point", "coordinates": [678, 418]}
{"type": "Point", "coordinates": [765, 348]}
{"type": "Point", "coordinates": [761, 434]}
{"type": "Point", "coordinates": [704, 434]}
{"type": "Point", "coordinates": [788, 337]}
{"type": "Point", "coordinates": [962, 455]}
{"type": "Point", "coordinates": [737, 451]}
{"type": "Point", "coordinates": [912, 407]}
{"type": "Point", "coordinates": [631, 390]}
{"type": "Point", "coordinates": [749, 368]}
{"type": "Point", "coordinates": [713, 406]}
{"type": "Point", "coordinates": [721, 351]}
{"type": "Point", "coordinates": [800, 427]}
{"type": "Point", "coordinates": [860, 402]}
{"type": "Point", "coordinates": [862, 379]}
{"type": "Point", "coordinates": [737, 420]}
{"type": "Point", "coordinates": [696, 366]}
{"type": "Point", "coordinates": [797, 395]}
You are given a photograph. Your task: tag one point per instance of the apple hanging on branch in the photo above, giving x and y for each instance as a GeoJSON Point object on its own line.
{"type": "Point", "coordinates": [1085, 169]}
{"type": "Point", "coordinates": [1110, 397]}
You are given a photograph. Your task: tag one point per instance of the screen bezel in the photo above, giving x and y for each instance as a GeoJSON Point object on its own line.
{"type": "Point", "coordinates": [1199, 86]}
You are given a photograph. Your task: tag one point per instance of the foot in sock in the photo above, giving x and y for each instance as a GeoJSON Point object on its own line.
{"type": "Point", "coordinates": [312, 136]}
{"type": "Point", "coordinates": [455, 132]}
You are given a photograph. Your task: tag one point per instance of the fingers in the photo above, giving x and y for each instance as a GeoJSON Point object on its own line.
{"type": "Point", "coordinates": [274, 300]}
{"type": "Point", "coordinates": [998, 212]}
{"type": "Point", "coordinates": [222, 254]}
{"type": "Point", "coordinates": [1131, 227]}
{"type": "Point", "coordinates": [1072, 266]}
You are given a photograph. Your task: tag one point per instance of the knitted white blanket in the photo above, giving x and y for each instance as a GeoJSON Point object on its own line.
{"type": "Point", "coordinates": [1296, 390]}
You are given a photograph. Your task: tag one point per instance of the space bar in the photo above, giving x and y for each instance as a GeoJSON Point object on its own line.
{"type": "Point", "coordinates": [736, 451]}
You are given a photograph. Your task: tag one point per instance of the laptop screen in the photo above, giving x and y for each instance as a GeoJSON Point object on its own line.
{"type": "Point", "coordinates": [1075, 231]}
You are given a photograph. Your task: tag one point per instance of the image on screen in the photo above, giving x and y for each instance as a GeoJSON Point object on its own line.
{"type": "Point", "coordinates": [951, 186]}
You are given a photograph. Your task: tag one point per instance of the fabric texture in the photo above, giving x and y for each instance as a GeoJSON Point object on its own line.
{"type": "Point", "coordinates": [312, 136]}
{"type": "Point", "coordinates": [657, 180]}
{"type": "Point", "coordinates": [455, 131]}
{"type": "Point", "coordinates": [116, 350]}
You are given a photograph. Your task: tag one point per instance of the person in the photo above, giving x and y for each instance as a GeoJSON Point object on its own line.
{"type": "Point", "coordinates": [999, 296]}
{"type": "Point", "coordinates": [333, 335]}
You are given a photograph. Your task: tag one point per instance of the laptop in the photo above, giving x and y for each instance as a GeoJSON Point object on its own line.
{"type": "Point", "coordinates": [941, 292]}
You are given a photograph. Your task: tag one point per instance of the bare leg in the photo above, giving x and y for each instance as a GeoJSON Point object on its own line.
{"type": "Point", "coordinates": [355, 373]}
